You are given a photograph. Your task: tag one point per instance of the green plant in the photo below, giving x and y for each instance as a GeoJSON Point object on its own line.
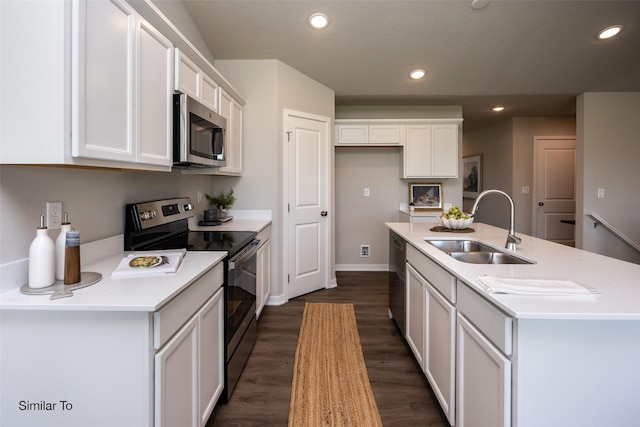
{"type": "Point", "coordinates": [222, 201]}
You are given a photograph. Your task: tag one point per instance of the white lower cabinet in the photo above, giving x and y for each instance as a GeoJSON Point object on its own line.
{"type": "Point", "coordinates": [189, 369]}
{"type": "Point", "coordinates": [439, 363]}
{"type": "Point", "coordinates": [415, 312]}
{"type": "Point", "coordinates": [431, 329]}
{"type": "Point", "coordinates": [484, 380]}
{"type": "Point", "coordinates": [116, 367]}
{"type": "Point", "coordinates": [176, 379]}
{"type": "Point", "coordinates": [263, 276]}
{"type": "Point", "coordinates": [189, 366]}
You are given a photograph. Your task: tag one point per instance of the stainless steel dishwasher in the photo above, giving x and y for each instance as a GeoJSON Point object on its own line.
{"type": "Point", "coordinates": [397, 259]}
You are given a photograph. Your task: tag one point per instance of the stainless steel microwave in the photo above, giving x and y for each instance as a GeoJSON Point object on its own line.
{"type": "Point", "coordinates": [199, 134]}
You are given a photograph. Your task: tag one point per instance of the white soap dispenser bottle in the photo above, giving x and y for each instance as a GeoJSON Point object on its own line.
{"type": "Point", "coordinates": [42, 253]}
{"type": "Point", "coordinates": [60, 242]}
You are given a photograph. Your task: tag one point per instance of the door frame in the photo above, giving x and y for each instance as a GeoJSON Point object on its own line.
{"type": "Point", "coordinates": [534, 186]}
{"type": "Point", "coordinates": [329, 277]}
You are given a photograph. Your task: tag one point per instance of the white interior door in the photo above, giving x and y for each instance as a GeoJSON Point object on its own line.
{"type": "Point", "coordinates": [308, 202]}
{"type": "Point", "coordinates": [554, 201]}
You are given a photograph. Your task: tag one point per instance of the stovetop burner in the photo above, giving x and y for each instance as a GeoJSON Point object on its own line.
{"type": "Point", "coordinates": [163, 224]}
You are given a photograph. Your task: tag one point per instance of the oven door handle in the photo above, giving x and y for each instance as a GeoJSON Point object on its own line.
{"type": "Point", "coordinates": [245, 254]}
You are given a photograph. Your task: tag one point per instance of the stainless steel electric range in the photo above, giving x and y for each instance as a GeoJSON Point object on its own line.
{"type": "Point", "coordinates": [163, 224]}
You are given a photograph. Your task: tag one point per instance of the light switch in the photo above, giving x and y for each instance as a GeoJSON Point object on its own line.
{"type": "Point", "coordinates": [366, 192]}
{"type": "Point", "coordinates": [600, 193]}
{"type": "Point", "coordinates": [526, 189]}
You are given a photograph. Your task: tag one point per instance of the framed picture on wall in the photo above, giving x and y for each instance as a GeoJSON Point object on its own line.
{"type": "Point", "coordinates": [472, 176]}
{"type": "Point", "coordinates": [426, 197]}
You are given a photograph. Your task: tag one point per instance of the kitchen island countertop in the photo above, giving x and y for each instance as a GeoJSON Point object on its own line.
{"type": "Point", "coordinates": [618, 281]}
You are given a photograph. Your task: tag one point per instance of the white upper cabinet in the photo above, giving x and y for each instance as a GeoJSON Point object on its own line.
{"type": "Point", "coordinates": [231, 110]}
{"type": "Point", "coordinates": [430, 146]}
{"type": "Point", "coordinates": [122, 98]}
{"type": "Point", "coordinates": [155, 97]}
{"type": "Point", "coordinates": [349, 132]}
{"type": "Point", "coordinates": [104, 100]}
{"type": "Point", "coordinates": [191, 80]}
{"type": "Point", "coordinates": [431, 151]}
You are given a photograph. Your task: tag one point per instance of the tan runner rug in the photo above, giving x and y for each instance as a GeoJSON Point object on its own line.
{"type": "Point", "coordinates": [330, 382]}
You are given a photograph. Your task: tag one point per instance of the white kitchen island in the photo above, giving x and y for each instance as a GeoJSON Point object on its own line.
{"type": "Point", "coordinates": [530, 360]}
{"type": "Point", "coordinates": [137, 351]}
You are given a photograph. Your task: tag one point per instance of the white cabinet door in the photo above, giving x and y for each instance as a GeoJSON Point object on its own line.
{"type": "Point", "coordinates": [209, 92]}
{"type": "Point", "coordinates": [431, 151]}
{"type": "Point", "coordinates": [211, 359]}
{"type": "Point", "coordinates": [440, 352]}
{"type": "Point", "coordinates": [103, 61]}
{"type": "Point", "coordinates": [415, 306]}
{"type": "Point", "coordinates": [188, 77]}
{"type": "Point", "coordinates": [232, 111]}
{"type": "Point", "coordinates": [263, 276]}
{"type": "Point", "coordinates": [369, 134]}
{"type": "Point", "coordinates": [483, 395]}
{"type": "Point", "coordinates": [385, 134]}
{"type": "Point", "coordinates": [352, 135]}
{"type": "Point", "coordinates": [155, 95]}
{"type": "Point", "coordinates": [176, 379]}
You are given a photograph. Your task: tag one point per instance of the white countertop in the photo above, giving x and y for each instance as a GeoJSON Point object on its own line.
{"type": "Point", "coordinates": [141, 293]}
{"type": "Point", "coordinates": [618, 281]}
{"type": "Point", "coordinates": [256, 225]}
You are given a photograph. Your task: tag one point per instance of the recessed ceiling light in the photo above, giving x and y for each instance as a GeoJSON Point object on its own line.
{"type": "Point", "coordinates": [498, 108]}
{"type": "Point", "coordinates": [609, 32]}
{"type": "Point", "coordinates": [417, 74]}
{"type": "Point", "coordinates": [318, 20]}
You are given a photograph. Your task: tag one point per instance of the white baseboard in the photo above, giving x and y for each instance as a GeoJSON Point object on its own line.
{"type": "Point", "coordinates": [362, 267]}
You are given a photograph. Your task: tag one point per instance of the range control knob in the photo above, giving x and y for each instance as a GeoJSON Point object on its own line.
{"type": "Point", "coordinates": [188, 207]}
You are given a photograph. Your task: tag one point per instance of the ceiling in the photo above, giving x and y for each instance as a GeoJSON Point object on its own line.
{"type": "Point", "coordinates": [534, 57]}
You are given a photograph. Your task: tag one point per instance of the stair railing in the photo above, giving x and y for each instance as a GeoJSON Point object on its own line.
{"type": "Point", "coordinates": [598, 220]}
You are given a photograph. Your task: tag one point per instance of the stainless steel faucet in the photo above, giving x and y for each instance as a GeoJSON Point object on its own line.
{"type": "Point", "coordinates": [512, 239]}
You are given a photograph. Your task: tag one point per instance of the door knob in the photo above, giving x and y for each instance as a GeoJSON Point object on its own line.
{"type": "Point", "coordinates": [323, 213]}
{"type": "Point", "coordinates": [540, 203]}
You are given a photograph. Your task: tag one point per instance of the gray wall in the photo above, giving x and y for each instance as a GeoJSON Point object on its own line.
{"type": "Point", "coordinates": [608, 157]}
{"type": "Point", "coordinates": [95, 200]}
{"type": "Point", "coordinates": [507, 155]}
{"type": "Point", "coordinates": [360, 220]}
{"type": "Point", "coordinates": [269, 87]}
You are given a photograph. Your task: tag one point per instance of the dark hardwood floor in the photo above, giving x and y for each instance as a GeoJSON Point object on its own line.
{"type": "Point", "coordinates": [402, 393]}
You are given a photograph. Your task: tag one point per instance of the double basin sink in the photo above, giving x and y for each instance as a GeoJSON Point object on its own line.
{"type": "Point", "coordinates": [475, 252]}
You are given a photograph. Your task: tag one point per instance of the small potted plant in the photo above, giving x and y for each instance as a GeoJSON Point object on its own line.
{"type": "Point", "coordinates": [411, 206]}
{"type": "Point", "coordinates": [223, 201]}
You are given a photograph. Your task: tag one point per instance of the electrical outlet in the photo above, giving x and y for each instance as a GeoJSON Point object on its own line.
{"type": "Point", "coordinates": [366, 192]}
{"type": "Point", "coordinates": [600, 193]}
{"type": "Point", "coordinates": [54, 215]}
{"type": "Point", "coordinates": [364, 251]}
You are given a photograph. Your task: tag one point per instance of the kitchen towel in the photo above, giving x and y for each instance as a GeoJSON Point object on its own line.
{"type": "Point", "coordinates": [161, 262]}
{"type": "Point", "coordinates": [510, 285]}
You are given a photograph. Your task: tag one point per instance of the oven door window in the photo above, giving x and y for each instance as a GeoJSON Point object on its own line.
{"type": "Point", "coordinates": [241, 294]}
{"type": "Point", "coordinates": [207, 139]}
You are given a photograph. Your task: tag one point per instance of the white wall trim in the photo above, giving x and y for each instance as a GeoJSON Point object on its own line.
{"type": "Point", "coordinates": [362, 267]}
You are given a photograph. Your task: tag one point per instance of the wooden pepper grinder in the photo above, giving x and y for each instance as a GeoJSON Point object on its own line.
{"type": "Point", "coordinates": [72, 258]}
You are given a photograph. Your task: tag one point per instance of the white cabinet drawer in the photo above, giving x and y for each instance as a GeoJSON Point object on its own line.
{"type": "Point", "coordinates": [438, 277]}
{"type": "Point", "coordinates": [176, 312]}
{"type": "Point", "coordinates": [493, 323]}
